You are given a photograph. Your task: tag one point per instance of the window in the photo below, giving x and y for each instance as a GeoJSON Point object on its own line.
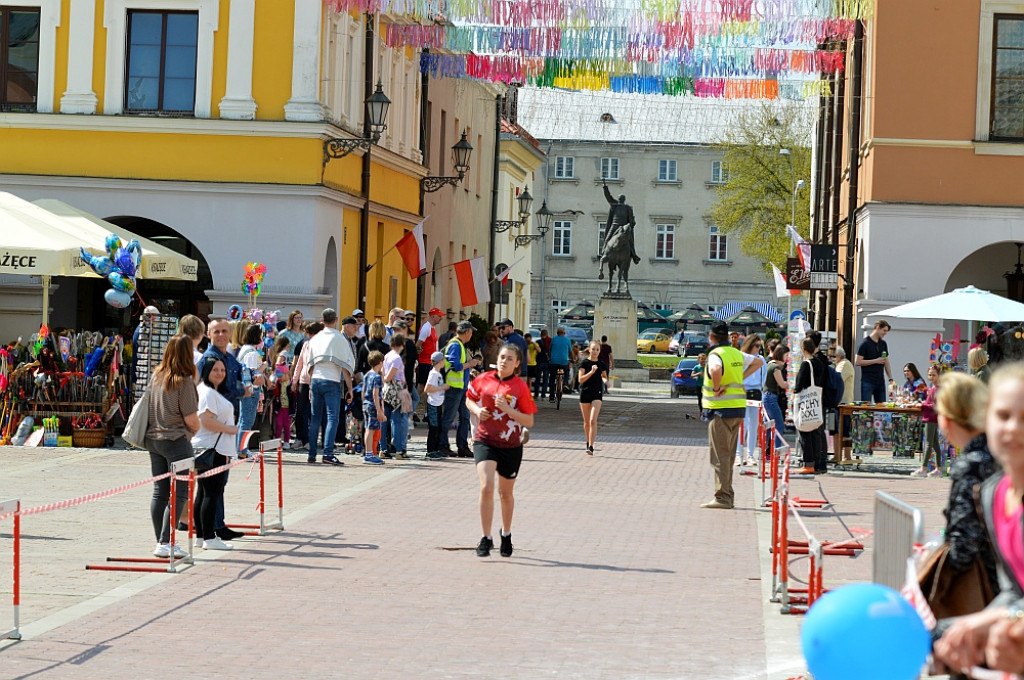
{"type": "Point", "coordinates": [559, 304]}
{"type": "Point", "coordinates": [561, 240]}
{"type": "Point", "coordinates": [602, 231]}
{"type": "Point", "coordinates": [719, 172]}
{"type": "Point", "coordinates": [609, 168]}
{"type": "Point", "coordinates": [714, 308]}
{"type": "Point", "coordinates": [162, 51]}
{"type": "Point", "coordinates": [564, 167]}
{"type": "Point", "coordinates": [1007, 117]}
{"type": "Point", "coordinates": [19, 58]}
{"type": "Point", "coordinates": [665, 241]}
{"type": "Point", "coordinates": [718, 246]}
{"type": "Point", "coordinates": [667, 171]}
{"type": "Point", "coordinates": [661, 306]}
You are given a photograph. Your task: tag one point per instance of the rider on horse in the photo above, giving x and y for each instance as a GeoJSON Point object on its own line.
{"type": "Point", "coordinates": [620, 215]}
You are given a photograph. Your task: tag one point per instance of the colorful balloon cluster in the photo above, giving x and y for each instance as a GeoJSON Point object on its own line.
{"type": "Point", "coordinates": [119, 267]}
{"type": "Point", "coordinates": [253, 281]}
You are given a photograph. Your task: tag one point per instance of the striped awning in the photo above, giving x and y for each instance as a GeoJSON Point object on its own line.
{"type": "Point", "coordinates": [730, 308]}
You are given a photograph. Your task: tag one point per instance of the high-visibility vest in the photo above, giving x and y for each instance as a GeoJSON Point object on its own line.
{"type": "Point", "coordinates": [455, 379]}
{"type": "Point", "coordinates": [735, 395]}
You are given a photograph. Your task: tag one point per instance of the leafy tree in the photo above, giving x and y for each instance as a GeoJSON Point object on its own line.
{"type": "Point", "coordinates": [755, 204]}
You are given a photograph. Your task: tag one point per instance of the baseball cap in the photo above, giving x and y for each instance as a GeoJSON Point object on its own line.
{"type": "Point", "coordinates": [506, 322]}
{"type": "Point", "coordinates": [409, 312]}
{"type": "Point", "coordinates": [357, 312]}
{"type": "Point", "coordinates": [436, 356]}
{"type": "Point", "coordinates": [434, 311]}
{"type": "Point", "coordinates": [348, 320]}
{"type": "Point", "coordinates": [720, 328]}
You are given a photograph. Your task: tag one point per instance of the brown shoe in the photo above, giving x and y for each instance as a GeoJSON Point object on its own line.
{"type": "Point", "coordinates": [809, 470]}
{"type": "Point", "coordinates": [716, 504]}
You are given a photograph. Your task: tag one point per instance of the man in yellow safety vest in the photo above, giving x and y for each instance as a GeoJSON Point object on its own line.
{"type": "Point", "coordinates": [457, 365]}
{"type": "Point", "coordinates": [724, 399]}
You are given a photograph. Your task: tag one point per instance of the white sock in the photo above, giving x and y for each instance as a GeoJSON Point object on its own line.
{"type": "Point", "coordinates": [503, 534]}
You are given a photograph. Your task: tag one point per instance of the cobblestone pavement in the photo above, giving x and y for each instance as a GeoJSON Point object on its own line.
{"type": "Point", "coordinates": [617, 572]}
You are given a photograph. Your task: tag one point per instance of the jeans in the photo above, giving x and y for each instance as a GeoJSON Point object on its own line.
{"type": "Point", "coordinates": [454, 404]}
{"type": "Point", "coordinates": [326, 400]}
{"type": "Point", "coordinates": [415, 394]}
{"type": "Point", "coordinates": [398, 426]}
{"type": "Point", "coordinates": [163, 452]}
{"type": "Point", "coordinates": [246, 417]}
{"type": "Point", "coordinates": [209, 496]}
{"type": "Point", "coordinates": [771, 406]}
{"type": "Point", "coordinates": [433, 428]}
{"type": "Point", "coordinates": [872, 391]}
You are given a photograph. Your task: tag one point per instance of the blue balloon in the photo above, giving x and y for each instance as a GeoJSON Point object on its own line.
{"type": "Point", "coordinates": [125, 263]}
{"type": "Point", "coordinates": [864, 630]}
{"type": "Point", "coordinates": [113, 243]}
{"type": "Point", "coordinates": [134, 249]}
{"type": "Point", "coordinates": [117, 299]}
{"type": "Point", "coordinates": [121, 282]}
{"type": "Point", "coordinates": [100, 265]}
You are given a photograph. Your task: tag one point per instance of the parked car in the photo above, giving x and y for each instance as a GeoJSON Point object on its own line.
{"type": "Point", "coordinates": [673, 345]}
{"type": "Point", "coordinates": [577, 336]}
{"type": "Point", "coordinates": [692, 344]}
{"type": "Point", "coordinates": [683, 381]}
{"type": "Point", "coordinates": [653, 341]}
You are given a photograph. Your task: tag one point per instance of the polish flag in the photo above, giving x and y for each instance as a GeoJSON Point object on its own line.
{"type": "Point", "coordinates": [780, 282]}
{"type": "Point", "coordinates": [803, 246]}
{"type": "Point", "coordinates": [472, 278]}
{"type": "Point", "coordinates": [503, 277]}
{"type": "Point", "coordinates": [413, 253]}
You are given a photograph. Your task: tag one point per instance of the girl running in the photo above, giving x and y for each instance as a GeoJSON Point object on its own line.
{"type": "Point", "coordinates": [503, 407]}
{"type": "Point", "coordinates": [592, 376]}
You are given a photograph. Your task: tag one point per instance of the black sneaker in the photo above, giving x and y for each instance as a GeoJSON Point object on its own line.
{"type": "Point", "coordinates": [331, 460]}
{"type": "Point", "coordinates": [386, 454]}
{"type": "Point", "coordinates": [506, 546]}
{"type": "Point", "coordinates": [484, 549]}
{"type": "Point", "coordinates": [226, 534]}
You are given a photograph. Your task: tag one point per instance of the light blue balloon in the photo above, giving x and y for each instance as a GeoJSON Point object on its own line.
{"type": "Point", "coordinates": [121, 282]}
{"type": "Point", "coordinates": [100, 265]}
{"type": "Point", "coordinates": [113, 242]}
{"type": "Point", "coordinates": [864, 630]}
{"type": "Point", "coordinates": [134, 249]}
{"type": "Point", "coordinates": [117, 299]}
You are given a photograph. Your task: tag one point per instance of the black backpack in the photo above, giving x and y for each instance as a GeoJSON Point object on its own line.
{"type": "Point", "coordinates": [832, 390]}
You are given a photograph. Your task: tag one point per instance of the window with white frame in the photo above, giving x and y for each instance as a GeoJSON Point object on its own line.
{"type": "Point", "coordinates": [564, 167]}
{"type": "Point", "coordinates": [602, 231]}
{"type": "Point", "coordinates": [609, 168]}
{"type": "Point", "coordinates": [667, 170]}
{"type": "Point", "coordinates": [559, 304]}
{"type": "Point", "coordinates": [1007, 116]}
{"type": "Point", "coordinates": [719, 172]}
{"type": "Point", "coordinates": [664, 241]}
{"type": "Point", "coordinates": [661, 306]}
{"type": "Point", "coordinates": [161, 62]}
{"type": "Point", "coordinates": [718, 250]}
{"type": "Point", "coordinates": [19, 58]}
{"type": "Point", "coordinates": [561, 239]}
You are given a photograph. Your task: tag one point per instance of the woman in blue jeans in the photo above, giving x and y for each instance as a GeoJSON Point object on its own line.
{"type": "Point", "coordinates": [774, 395]}
{"type": "Point", "coordinates": [252, 373]}
{"type": "Point", "coordinates": [393, 372]}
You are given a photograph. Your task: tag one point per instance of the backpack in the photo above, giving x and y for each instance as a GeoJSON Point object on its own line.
{"type": "Point", "coordinates": [832, 390]}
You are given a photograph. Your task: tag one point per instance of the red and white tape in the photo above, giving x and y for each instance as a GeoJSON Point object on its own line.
{"type": "Point", "coordinates": [71, 502]}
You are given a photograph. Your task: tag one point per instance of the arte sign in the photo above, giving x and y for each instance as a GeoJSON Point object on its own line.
{"type": "Point", "coordinates": [824, 274]}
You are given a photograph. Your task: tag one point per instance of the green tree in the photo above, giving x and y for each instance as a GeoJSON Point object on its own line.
{"type": "Point", "coordinates": [756, 202]}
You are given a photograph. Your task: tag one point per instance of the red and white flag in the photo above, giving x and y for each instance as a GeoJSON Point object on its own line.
{"type": "Point", "coordinates": [803, 246]}
{"type": "Point", "coordinates": [472, 278]}
{"type": "Point", "coordinates": [413, 253]}
{"type": "Point", "coordinates": [503, 277]}
{"type": "Point", "coordinates": [780, 282]}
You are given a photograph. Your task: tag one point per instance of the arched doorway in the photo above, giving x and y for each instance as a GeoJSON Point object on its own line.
{"type": "Point", "coordinates": [176, 298]}
{"type": "Point", "coordinates": [331, 273]}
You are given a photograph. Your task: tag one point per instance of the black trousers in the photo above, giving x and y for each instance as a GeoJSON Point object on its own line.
{"type": "Point", "coordinates": [209, 494]}
{"type": "Point", "coordinates": [814, 448]}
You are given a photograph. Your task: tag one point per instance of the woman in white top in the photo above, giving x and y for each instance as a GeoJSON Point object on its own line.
{"type": "Point", "coordinates": [252, 368]}
{"type": "Point", "coordinates": [216, 430]}
{"type": "Point", "coordinates": [754, 385]}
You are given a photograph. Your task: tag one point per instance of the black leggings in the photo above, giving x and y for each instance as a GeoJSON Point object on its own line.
{"type": "Point", "coordinates": [209, 494]}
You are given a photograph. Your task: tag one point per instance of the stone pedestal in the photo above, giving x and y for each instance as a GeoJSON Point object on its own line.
{"type": "Point", "coordinates": [616, 318]}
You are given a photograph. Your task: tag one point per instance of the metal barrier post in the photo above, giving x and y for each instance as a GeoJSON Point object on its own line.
{"type": "Point", "coordinates": [898, 527]}
{"type": "Point", "coordinates": [14, 505]}
{"type": "Point", "coordinates": [264, 527]}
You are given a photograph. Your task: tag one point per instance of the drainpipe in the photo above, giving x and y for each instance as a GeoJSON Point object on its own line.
{"type": "Point", "coordinates": [364, 218]}
{"type": "Point", "coordinates": [851, 209]}
{"type": "Point", "coordinates": [494, 202]}
{"type": "Point", "coordinates": [424, 95]}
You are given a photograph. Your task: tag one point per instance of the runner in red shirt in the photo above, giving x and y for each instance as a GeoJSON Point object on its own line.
{"type": "Point", "coordinates": [501, 402]}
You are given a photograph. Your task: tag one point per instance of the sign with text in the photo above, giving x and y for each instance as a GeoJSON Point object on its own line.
{"type": "Point", "coordinates": [824, 274]}
{"type": "Point", "coordinates": [797, 278]}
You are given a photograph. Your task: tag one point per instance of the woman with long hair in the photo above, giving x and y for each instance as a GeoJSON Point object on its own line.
{"type": "Point", "coordinates": [279, 376]}
{"type": "Point", "coordinates": [931, 430]}
{"type": "Point", "coordinates": [173, 419]}
{"type": "Point", "coordinates": [591, 377]}
{"type": "Point", "coordinates": [754, 385]}
{"type": "Point", "coordinates": [812, 444]}
{"type": "Point", "coordinates": [977, 361]}
{"type": "Point", "coordinates": [216, 419]}
{"type": "Point", "coordinates": [502, 407]}
{"type": "Point", "coordinates": [915, 387]}
{"type": "Point", "coordinates": [252, 372]}
{"type": "Point", "coordinates": [293, 331]}
{"type": "Point", "coordinates": [490, 349]}
{"type": "Point", "coordinates": [775, 386]}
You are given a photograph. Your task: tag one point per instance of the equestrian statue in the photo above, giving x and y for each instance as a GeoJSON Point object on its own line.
{"type": "Point", "coordinates": [619, 250]}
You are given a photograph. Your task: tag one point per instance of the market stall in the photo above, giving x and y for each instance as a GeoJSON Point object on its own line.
{"type": "Point", "coordinates": [888, 426]}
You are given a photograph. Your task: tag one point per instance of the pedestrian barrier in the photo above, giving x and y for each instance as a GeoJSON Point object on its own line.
{"type": "Point", "coordinates": [12, 509]}
{"type": "Point", "coordinates": [263, 527]}
{"type": "Point", "coordinates": [899, 527]}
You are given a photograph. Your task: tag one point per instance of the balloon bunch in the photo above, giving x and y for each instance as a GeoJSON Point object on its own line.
{"type": "Point", "coordinates": [119, 267]}
{"type": "Point", "coordinates": [253, 281]}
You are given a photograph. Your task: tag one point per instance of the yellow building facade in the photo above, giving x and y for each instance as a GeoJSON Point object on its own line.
{"type": "Point", "coordinates": [202, 123]}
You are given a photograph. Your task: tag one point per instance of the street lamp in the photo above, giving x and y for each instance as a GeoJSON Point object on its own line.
{"type": "Point", "coordinates": [376, 114]}
{"type": "Point", "coordinates": [461, 151]}
{"type": "Point", "coordinates": [525, 201]}
{"type": "Point", "coordinates": [543, 224]}
{"type": "Point", "coordinates": [797, 186]}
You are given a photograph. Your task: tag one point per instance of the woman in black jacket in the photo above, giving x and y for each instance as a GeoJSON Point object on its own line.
{"type": "Point", "coordinates": [813, 445]}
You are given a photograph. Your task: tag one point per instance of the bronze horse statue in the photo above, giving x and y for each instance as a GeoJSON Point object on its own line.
{"type": "Point", "coordinates": [619, 258]}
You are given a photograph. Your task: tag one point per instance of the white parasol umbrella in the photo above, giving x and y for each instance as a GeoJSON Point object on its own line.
{"type": "Point", "coordinates": [967, 304]}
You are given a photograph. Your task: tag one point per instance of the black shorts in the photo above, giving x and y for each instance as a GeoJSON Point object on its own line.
{"type": "Point", "coordinates": [533, 371]}
{"type": "Point", "coordinates": [422, 371]}
{"type": "Point", "coordinates": [588, 397]}
{"type": "Point", "coordinates": [508, 460]}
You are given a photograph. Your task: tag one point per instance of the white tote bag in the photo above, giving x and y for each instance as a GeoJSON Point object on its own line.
{"type": "Point", "coordinates": [138, 422]}
{"type": "Point", "coordinates": [808, 412]}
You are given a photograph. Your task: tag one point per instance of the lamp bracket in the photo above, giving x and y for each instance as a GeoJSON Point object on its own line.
{"type": "Point", "coordinates": [501, 226]}
{"type": "Point", "coordinates": [432, 184]}
{"type": "Point", "coordinates": [524, 240]}
{"type": "Point", "coordinates": [339, 147]}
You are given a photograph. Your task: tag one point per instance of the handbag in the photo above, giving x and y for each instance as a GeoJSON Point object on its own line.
{"type": "Point", "coordinates": [138, 423]}
{"type": "Point", "coordinates": [808, 414]}
{"type": "Point", "coordinates": [391, 393]}
{"type": "Point", "coordinates": [953, 594]}
{"type": "Point", "coordinates": [207, 460]}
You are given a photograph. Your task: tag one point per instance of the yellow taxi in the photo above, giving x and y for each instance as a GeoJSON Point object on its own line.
{"type": "Point", "coordinates": [653, 341]}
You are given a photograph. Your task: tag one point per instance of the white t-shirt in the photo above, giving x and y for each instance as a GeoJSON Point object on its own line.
{"type": "Point", "coordinates": [196, 356]}
{"type": "Point", "coordinates": [393, 360]}
{"type": "Point", "coordinates": [425, 330]}
{"type": "Point", "coordinates": [217, 404]}
{"type": "Point", "coordinates": [435, 378]}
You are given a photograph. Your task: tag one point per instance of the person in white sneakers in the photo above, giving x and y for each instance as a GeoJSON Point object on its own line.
{"type": "Point", "coordinates": [217, 430]}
